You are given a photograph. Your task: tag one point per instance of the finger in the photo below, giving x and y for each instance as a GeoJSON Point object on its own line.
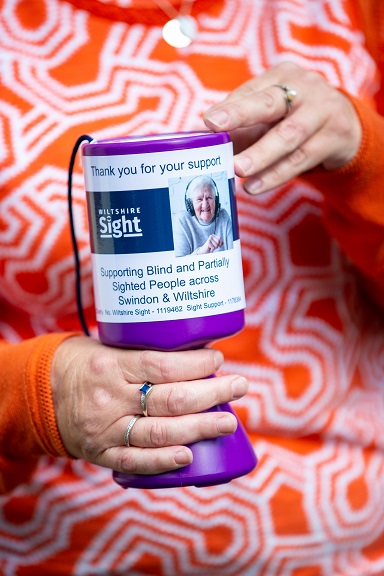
{"type": "Point", "coordinates": [242, 138]}
{"type": "Point", "coordinates": [258, 106]}
{"type": "Point", "coordinates": [158, 367]}
{"type": "Point", "coordinates": [264, 90]}
{"type": "Point", "coordinates": [134, 460]}
{"type": "Point", "coordinates": [279, 74]}
{"type": "Point", "coordinates": [180, 430]}
{"type": "Point", "coordinates": [95, 433]}
{"type": "Point", "coordinates": [218, 242]}
{"type": "Point", "coordinates": [217, 239]}
{"type": "Point", "coordinates": [213, 244]}
{"type": "Point", "coordinates": [300, 160]}
{"type": "Point", "coordinates": [249, 88]}
{"type": "Point", "coordinates": [181, 398]}
{"type": "Point", "coordinates": [284, 138]}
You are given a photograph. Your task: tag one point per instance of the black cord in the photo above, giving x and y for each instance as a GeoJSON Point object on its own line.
{"type": "Point", "coordinates": [80, 310]}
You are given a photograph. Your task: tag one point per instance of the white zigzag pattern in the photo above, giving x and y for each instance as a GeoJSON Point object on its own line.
{"type": "Point", "coordinates": [20, 260]}
{"type": "Point", "coordinates": [62, 32]}
{"type": "Point", "coordinates": [277, 468]}
{"type": "Point", "coordinates": [352, 71]}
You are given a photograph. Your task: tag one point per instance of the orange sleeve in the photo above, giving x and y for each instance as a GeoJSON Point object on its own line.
{"type": "Point", "coordinates": [28, 426]}
{"type": "Point", "coordinates": [354, 202]}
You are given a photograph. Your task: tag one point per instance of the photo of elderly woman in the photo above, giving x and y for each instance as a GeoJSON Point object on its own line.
{"type": "Point", "coordinates": [203, 225]}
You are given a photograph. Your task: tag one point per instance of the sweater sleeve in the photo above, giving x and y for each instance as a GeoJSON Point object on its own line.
{"type": "Point", "coordinates": [354, 202]}
{"type": "Point", "coordinates": [28, 426]}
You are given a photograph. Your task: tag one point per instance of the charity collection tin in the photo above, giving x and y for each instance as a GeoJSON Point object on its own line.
{"type": "Point", "coordinates": [166, 265]}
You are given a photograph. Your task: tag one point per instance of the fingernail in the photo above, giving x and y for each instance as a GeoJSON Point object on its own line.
{"type": "Point", "coordinates": [253, 186]}
{"type": "Point", "coordinates": [218, 117]}
{"type": "Point", "coordinates": [239, 387]}
{"type": "Point", "coordinates": [218, 359]}
{"type": "Point", "coordinates": [226, 424]}
{"type": "Point", "coordinates": [244, 163]}
{"type": "Point", "coordinates": [183, 457]}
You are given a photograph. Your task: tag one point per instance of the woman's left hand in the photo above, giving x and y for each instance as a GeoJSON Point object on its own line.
{"type": "Point", "coordinates": [275, 141]}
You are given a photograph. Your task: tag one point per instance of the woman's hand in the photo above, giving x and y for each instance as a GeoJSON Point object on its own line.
{"type": "Point", "coordinates": [274, 142]}
{"type": "Point", "coordinates": [96, 394]}
{"type": "Point", "coordinates": [213, 243]}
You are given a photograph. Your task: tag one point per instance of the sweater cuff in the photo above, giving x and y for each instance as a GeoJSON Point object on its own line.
{"type": "Point", "coordinates": [28, 426]}
{"type": "Point", "coordinates": [38, 381]}
{"type": "Point", "coordinates": [353, 189]}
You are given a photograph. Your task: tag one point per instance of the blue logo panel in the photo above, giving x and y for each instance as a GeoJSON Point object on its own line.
{"type": "Point", "coordinates": [130, 222]}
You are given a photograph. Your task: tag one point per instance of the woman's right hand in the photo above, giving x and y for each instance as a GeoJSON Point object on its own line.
{"type": "Point", "coordinates": [96, 394]}
{"type": "Point", "coordinates": [275, 142]}
{"type": "Point", "coordinates": [213, 243]}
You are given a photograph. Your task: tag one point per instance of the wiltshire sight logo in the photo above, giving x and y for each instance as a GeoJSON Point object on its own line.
{"type": "Point", "coordinates": [119, 223]}
{"type": "Point", "coordinates": [130, 222]}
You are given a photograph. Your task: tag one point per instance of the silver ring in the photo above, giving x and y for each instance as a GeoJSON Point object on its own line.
{"type": "Point", "coordinates": [145, 390]}
{"type": "Point", "coordinates": [129, 429]}
{"type": "Point", "coordinates": [290, 95]}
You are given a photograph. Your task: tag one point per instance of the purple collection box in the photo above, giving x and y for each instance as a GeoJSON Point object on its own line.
{"type": "Point", "coordinates": [113, 169]}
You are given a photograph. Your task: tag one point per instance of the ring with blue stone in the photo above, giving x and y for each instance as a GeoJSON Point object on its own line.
{"type": "Point", "coordinates": [145, 390]}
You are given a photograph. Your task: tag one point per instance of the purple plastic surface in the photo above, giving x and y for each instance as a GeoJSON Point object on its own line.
{"type": "Point", "coordinates": [171, 334]}
{"type": "Point", "coordinates": [154, 143]}
{"type": "Point", "coordinates": [215, 461]}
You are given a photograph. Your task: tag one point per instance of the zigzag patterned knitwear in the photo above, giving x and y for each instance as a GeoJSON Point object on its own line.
{"type": "Point", "coordinates": [313, 346]}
